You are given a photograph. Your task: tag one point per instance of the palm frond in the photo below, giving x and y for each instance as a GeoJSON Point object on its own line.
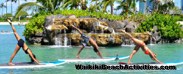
{"type": "Point", "coordinates": [21, 13]}
{"type": "Point", "coordinates": [27, 6]}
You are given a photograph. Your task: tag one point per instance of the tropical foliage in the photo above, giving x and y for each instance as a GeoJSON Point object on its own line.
{"type": "Point", "coordinates": [2, 6]}
{"type": "Point", "coordinates": [167, 25]}
{"type": "Point", "coordinates": [106, 3]}
{"type": "Point", "coordinates": [34, 26]}
{"type": "Point", "coordinates": [163, 6]}
{"type": "Point", "coordinates": [127, 6]}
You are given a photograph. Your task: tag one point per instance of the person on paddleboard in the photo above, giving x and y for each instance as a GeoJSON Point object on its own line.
{"type": "Point", "coordinates": [21, 44]}
{"type": "Point", "coordinates": [140, 44]}
{"type": "Point", "coordinates": [87, 40]}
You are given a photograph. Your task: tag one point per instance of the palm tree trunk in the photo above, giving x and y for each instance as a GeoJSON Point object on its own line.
{"type": "Point", "coordinates": [51, 5]}
{"type": "Point", "coordinates": [145, 7]}
{"type": "Point", "coordinates": [83, 5]}
{"type": "Point", "coordinates": [11, 8]}
{"type": "Point", "coordinates": [19, 5]}
{"type": "Point", "coordinates": [112, 8]}
{"type": "Point", "coordinates": [2, 12]}
{"type": "Point", "coordinates": [6, 6]}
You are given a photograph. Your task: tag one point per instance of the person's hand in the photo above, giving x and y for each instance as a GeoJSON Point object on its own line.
{"type": "Point", "coordinates": [9, 21]}
{"type": "Point", "coordinates": [160, 62]}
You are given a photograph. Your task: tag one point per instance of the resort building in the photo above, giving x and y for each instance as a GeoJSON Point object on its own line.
{"type": "Point", "coordinates": [145, 7]}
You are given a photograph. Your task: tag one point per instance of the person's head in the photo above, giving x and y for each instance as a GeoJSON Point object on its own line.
{"type": "Point", "coordinates": [149, 36]}
{"type": "Point", "coordinates": [146, 42]}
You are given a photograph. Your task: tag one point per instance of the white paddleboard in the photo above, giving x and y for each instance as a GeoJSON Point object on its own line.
{"type": "Point", "coordinates": [93, 60]}
{"type": "Point", "coordinates": [155, 63]}
{"type": "Point", "coordinates": [58, 46]}
{"type": "Point", "coordinates": [23, 65]}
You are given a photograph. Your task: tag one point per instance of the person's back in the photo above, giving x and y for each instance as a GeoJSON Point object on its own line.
{"type": "Point", "coordinates": [138, 42]}
{"type": "Point", "coordinates": [87, 40]}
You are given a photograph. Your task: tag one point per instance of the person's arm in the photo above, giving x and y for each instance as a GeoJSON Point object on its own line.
{"type": "Point", "coordinates": [35, 60]}
{"type": "Point", "coordinates": [158, 61]}
{"type": "Point", "coordinates": [133, 52]}
{"type": "Point", "coordinates": [14, 30]}
{"type": "Point", "coordinates": [77, 29]}
{"type": "Point", "coordinates": [129, 35]}
{"type": "Point", "coordinates": [154, 58]}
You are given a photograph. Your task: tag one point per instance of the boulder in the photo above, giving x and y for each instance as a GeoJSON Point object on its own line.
{"type": "Point", "coordinates": [104, 32]}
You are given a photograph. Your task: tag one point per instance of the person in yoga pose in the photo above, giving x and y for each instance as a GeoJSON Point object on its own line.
{"type": "Point", "coordinates": [140, 44]}
{"type": "Point", "coordinates": [87, 40]}
{"type": "Point", "coordinates": [21, 44]}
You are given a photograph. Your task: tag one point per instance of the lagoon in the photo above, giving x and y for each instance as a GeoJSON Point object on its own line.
{"type": "Point", "coordinates": [167, 53]}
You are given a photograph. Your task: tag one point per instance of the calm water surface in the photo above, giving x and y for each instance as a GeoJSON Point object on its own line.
{"type": "Point", "coordinates": [165, 53]}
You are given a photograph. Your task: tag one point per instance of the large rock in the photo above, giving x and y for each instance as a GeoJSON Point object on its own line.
{"type": "Point", "coordinates": [155, 35]}
{"type": "Point", "coordinates": [35, 40]}
{"type": "Point", "coordinates": [104, 32]}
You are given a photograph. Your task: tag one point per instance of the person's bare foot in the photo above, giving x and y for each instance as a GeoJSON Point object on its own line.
{"type": "Point", "coordinates": [160, 63]}
{"type": "Point", "coordinates": [77, 57]}
{"type": "Point", "coordinates": [11, 64]}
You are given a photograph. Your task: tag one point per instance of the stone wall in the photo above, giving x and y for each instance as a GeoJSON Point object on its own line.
{"type": "Point", "coordinates": [104, 32]}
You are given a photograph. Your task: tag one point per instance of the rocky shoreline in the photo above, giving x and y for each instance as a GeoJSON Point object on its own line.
{"type": "Point", "coordinates": [57, 31]}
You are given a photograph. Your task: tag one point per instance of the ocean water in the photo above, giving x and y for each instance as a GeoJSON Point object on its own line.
{"type": "Point", "coordinates": [167, 53]}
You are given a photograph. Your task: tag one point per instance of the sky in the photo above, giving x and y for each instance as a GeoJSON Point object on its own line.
{"type": "Point", "coordinates": [15, 6]}
{"type": "Point", "coordinates": [177, 3]}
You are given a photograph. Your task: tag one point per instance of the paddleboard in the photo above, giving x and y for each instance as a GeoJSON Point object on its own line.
{"type": "Point", "coordinates": [23, 65]}
{"type": "Point", "coordinates": [94, 60]}
{"type": "Point", "coordinates": [58, 46]}
{"type": "Point", "coordinates": [155, 63]}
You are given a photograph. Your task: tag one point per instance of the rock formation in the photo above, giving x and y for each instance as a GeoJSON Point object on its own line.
{"type": "Point", "coordinates": [106, 33]}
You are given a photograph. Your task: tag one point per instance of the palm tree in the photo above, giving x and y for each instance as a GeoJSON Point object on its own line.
{"type": "Point", "coordinates": [72, 4]}
{"type": "Point", "coordinates": [96, 6]}
{"type": "Point", "coordinates": [127, 6]}
{"type": "Point", "coordinates": [156, 4]}
{"type": "Point", "coordinates": [11, 5]}
{"type": "Point", "coordinates": [168, 5]}
{"type": "Point", "coordinates": [83, 4]}
{"type": "Point", "coordinates": [106, 3]}
{"type": "Point", "coordinates": [40, 5]}
{"type": "Point", "coordinates": [163, 8]}
{"type": "Point", "coordinates": [2, 6]}
{"type": "Point", "coordinates": [6, 6]}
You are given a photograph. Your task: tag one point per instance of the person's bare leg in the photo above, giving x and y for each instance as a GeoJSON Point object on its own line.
{"type": "Point", "coordinates": [77, 56]}
{"type": "Point", "coordinates": [95, 47]}
{"type": "Point", "coordinates": [13, 55]}
{"type": "Point", "coordinates": [14, 30]}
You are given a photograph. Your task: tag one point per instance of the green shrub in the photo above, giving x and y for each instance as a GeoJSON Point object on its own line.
{"type": "Point", "coordinates": [167, 26]}
{"type": "Point", "coordinates": [34, 26]}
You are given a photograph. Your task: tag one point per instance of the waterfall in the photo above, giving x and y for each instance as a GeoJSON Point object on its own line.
{"type": "Point", "coordinates": [151, 42]}
{"type": "Point", "coordinates": [65, 39]}
{"type": "Point", "coordinates": [61, 40]}
{"type": "Point", "coordinates": [58, 41]}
